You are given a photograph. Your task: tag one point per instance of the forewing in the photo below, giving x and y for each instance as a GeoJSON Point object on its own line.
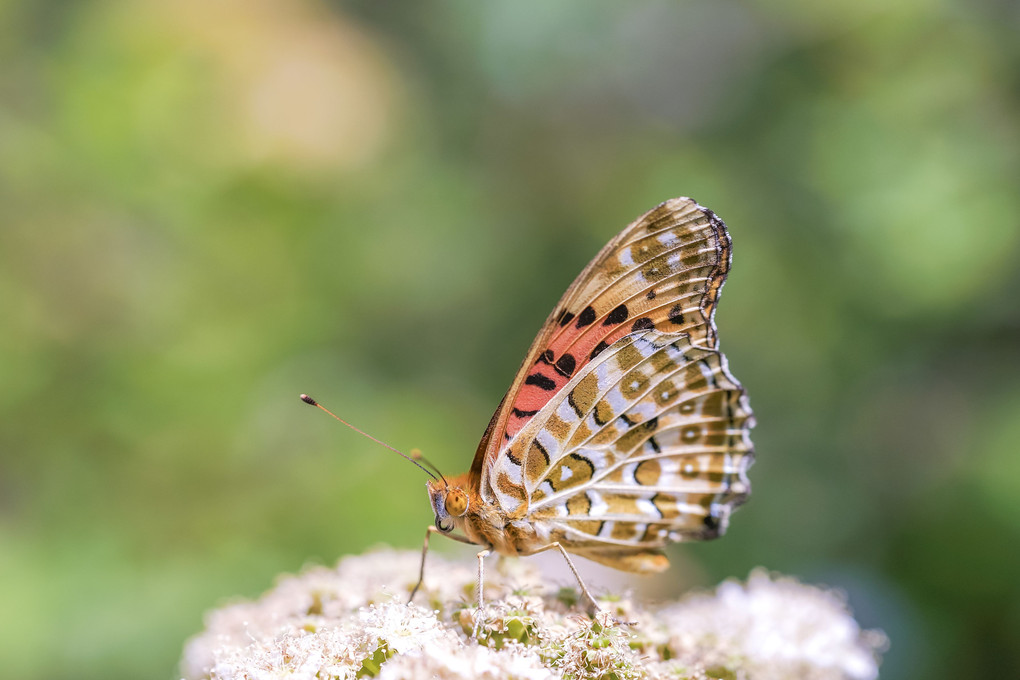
{"type": "Point", "coordinates": [664, 271]}
{"type": "Point", "coordinates": [648, 444]}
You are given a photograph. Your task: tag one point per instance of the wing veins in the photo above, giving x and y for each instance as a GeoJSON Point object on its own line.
{"type": "Point", "coordinates": [627, 275]}
{"type": "Point", "coordinates": [566, 493]}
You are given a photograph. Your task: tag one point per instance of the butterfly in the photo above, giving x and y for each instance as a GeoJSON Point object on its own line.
{"type": "Point", "coordinates": [623, 430]}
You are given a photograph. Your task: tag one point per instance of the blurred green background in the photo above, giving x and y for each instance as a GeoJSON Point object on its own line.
{"type": "Point", "coordinates": [209, 207]}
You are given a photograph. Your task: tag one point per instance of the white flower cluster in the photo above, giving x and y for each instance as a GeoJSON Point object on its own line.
{"type": "Point", "coordinates": [353, 621]}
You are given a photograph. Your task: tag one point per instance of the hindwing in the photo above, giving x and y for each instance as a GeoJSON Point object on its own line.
{"type": "Point", "coordinates": [650, 444]}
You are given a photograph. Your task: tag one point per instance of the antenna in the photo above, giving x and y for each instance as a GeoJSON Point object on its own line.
{"type": "Point", "coordinates": [308, 400]}
{"type": "Point", "coordinates": [416, 454]}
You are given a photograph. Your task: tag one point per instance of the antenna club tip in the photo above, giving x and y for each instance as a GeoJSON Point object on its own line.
{"type": "Point", "coordinates": [308, 400]}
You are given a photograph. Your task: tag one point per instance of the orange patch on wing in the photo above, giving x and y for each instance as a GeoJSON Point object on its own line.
{"type": "Point", "coordinates": [581, 435]}
{"type": "Point", "coordinates": [579, 504]}
{"type": "Point", "coordinates": [591, 526]}
{"type": "Point", "coordinates": [621, 505]}
{"type": "Point", "coordinates": [646, 249]}
{"type": "Point", "coordinates": [634, 384]}
{"type": "Point", "coordinates": [548, 512]}
{"type": "Point", "coordinates": [583, 396]}
{"type": "Point", "coordinates": [558, 427]}
{"type": "Point", "coordinates": [635, 437]}
{"type": "Point", "coordinates": [570, 471]}
{"type": "Point", "coordinates": [647, 472]}
{"type": "Point", "coordinates": [662, 362]}
{"type": "Point", "coordinates": [664, 393]}
{"type": "Point", "coordinates": [603, 412]}
{"type": "Point", "coordinates": [536, 462]}
{"type": "Point", "coordinates": [607, 435]}
{"type": "Point", "coordinates": [627, 357]}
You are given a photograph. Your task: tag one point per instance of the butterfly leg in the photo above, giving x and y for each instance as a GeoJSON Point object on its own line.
{"type": "Point", "coordinates": [481, 562]}
{"type": "Point", "coordinates": [424, 551]}
{"type": "Point", "coordinates": [481, 584]}
{"type": "Point", "coordinates": [421, 571]}
{"type": "Point", "coordinates": [573, 570]}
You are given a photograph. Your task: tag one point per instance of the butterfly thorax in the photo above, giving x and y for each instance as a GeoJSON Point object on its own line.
{"type": "Point", "coordinates": [458, 506]}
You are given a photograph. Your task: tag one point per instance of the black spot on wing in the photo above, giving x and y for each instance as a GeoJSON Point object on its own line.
{"type": "Point", "coordinates": [546, 356]}
{"type": "Point", "coordinates": [523, 414]}
{"type": "Point", "coordinates": [587, 317]}
{"type": "Point", "coordinates": [676, 315]}
{"type": "Point", "coordinates": [598, 349]}
{"type": "Point", "coordinates": [643, 324]}
{"type": "Point", "coordinates": [618, 315]}
{"type": "Point", "coordinates": [566, 365]}
{"type": "Point", "coordinates": [564, 318]}
{"type": "Point", "coordinates": [650, 294]}
{"type": "Point", "coordinates": [541, 381]}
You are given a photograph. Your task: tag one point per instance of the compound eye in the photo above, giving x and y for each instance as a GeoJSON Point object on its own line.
{"type": "Point", "coordinates": [456, 502]}
{"type": "Point", "coordinates": [445, 528]}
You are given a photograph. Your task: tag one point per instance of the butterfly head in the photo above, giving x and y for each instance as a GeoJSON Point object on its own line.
{"type": "Point", "coordinates": [448, 502]}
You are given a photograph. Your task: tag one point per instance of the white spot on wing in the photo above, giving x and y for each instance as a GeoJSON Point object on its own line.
{"type": "Point", "coordinates": [616, 401]}
{"type": "Point", "coordinates": [566, 412]}
{"type": "Point", "coordinates": [647, 507]}
{"type": "Point", "coordinates": [549, 443]}
{"type": "Point", "coordinates": [512, 471]}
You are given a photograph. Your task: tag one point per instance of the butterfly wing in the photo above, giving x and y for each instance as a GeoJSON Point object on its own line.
{"type": "Point", "coordinates": [648, 445]}
{"type": "Point", "coordinates": [663, 272]}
